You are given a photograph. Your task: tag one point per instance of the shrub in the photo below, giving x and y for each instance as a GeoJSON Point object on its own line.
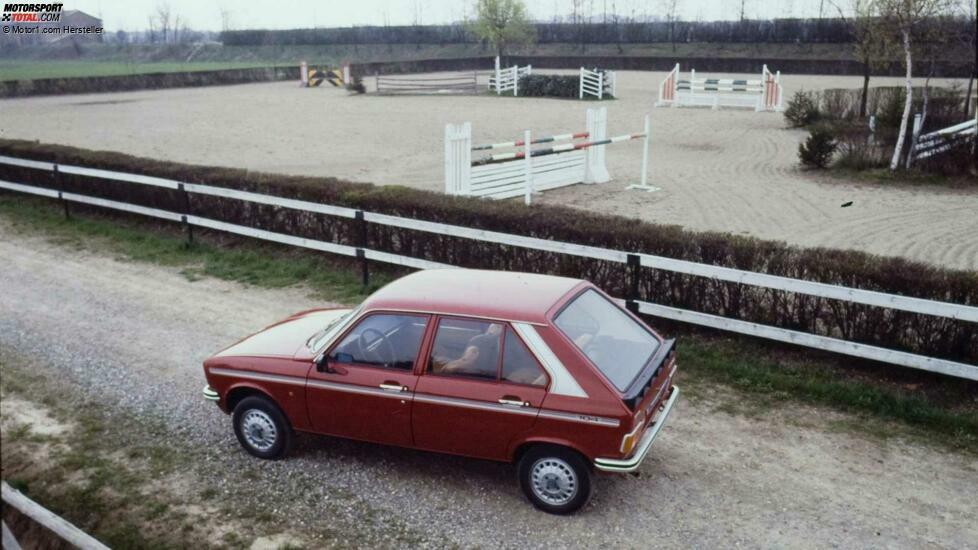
{"type": "Point", "coordinates": [802, 110]}
{"type": "Point", "coordinates": [552, 85]}
{"type": "Point", "coordinates": [549, 85]}
{"type": "Point", "coordinates": [818, 149]}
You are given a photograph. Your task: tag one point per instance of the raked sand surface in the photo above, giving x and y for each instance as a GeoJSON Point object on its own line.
{"type": "Point", "coordinates": [728, 170]}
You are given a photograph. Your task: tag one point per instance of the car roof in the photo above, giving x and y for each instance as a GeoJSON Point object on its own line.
{"type": "Point", "coordinates": [506, 295]}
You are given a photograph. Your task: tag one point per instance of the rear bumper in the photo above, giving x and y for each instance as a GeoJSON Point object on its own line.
{"type": "Point", "coordinates": [632, 463]}
{"type": "Point", "coordinates": [210, 394]}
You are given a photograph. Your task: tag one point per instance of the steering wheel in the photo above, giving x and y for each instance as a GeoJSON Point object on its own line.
{"type": "Point", "coordinates": [381, 338]}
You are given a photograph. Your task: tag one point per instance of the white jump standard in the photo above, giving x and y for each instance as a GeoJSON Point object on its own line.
{"type": "Point", "coordinates": [761, 95]}
{"type": "Point", "coordinates": [504, 80]}
{"type": "Point", "coordinates": [526, 171]}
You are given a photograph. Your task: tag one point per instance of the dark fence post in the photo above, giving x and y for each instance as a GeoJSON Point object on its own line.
{"type": "Point", "coordinates": [362, 245]}
{"type": "Point", "coordinates": [186, 212]}
{"type": "Point", "coordinates": [59, 184]}
{"type": "Point", "coordinates": [633, 270]}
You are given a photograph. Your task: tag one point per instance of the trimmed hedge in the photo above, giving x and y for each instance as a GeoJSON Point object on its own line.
{"type": "Point", "coordinates": [146, 81]}
{"type": "Point", "coordinates": [938, 337]}
{"type": "Point", "coordinates": [549, 85]}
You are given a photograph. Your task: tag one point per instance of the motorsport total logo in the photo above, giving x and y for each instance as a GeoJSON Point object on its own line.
{"type": "Point", "coordinates": [46, 22]}
{"type": "Point", "coordinates": [31, 13]}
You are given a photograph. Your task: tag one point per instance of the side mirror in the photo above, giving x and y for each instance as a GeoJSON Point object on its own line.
{"type": "Point", "coordinates": [322, 363]}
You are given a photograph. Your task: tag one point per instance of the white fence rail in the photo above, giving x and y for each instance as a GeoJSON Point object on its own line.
{"type": "Point", "coordinates": [940, 141]}
{"type": "Point", "coordinates": [47, 519]}
{"type": "Point", "coordinates": [958, 312]}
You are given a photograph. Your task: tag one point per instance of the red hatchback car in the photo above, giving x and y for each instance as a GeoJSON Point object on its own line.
{"type": "Point", "coordinates": [546, 372]}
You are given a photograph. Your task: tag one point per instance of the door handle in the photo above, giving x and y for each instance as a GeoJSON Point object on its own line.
{"type": "Point", "coordinates": [514, 402]}
{"type": "Point", "coordinates": [393, 386]}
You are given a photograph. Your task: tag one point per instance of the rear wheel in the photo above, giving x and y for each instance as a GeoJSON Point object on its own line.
{"type": "Point", "coordinates": [555, 479]}
{"type": "Point", "coordinates": [261, 428]}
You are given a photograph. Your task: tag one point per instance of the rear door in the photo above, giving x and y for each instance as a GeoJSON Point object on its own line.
{"type": "Point", "coordinates": [479, 390]}
{"type": "Point", "coordinates": [367, 391]}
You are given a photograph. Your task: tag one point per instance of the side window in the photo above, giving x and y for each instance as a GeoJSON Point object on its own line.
{"type": "Point", "coordinates": [382, 340]}
{"type": "Point", "coordinates": [466, 348]}
{"type": "Point", "coordinates": [519, 366]}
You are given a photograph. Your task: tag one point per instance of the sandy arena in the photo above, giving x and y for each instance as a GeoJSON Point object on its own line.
{"type": "Point", "coordinates": [730, 170]}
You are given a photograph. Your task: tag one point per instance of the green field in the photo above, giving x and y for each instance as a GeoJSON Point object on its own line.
{"type": "Point", "coordinates": [11, 69]}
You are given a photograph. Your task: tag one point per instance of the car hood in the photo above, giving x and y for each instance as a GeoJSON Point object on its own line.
{"type": "Point", "coordinates": [284, 338]}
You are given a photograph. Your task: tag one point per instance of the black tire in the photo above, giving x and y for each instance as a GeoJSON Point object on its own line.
{"type": "Point", "coordinates": [560, 472]}
{"type": "Point", "coordinates": [264, 423]}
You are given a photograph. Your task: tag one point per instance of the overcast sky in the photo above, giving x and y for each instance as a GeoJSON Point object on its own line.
{"type": "Point", "coordinates": [288, 14]}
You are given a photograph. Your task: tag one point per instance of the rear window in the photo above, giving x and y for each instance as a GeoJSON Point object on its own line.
{"type": "Point", "coordinates": [617, 345]}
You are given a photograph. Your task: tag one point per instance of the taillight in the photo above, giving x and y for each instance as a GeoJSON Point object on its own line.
{"type": "Point", "coordinates": [628, 442]}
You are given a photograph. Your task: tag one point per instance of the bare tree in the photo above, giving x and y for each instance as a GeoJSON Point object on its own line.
{"type": "Point", "coordinates": [967, 40]}
{"type": "Point", "coordinates": [225, 18]}
{"type": "Point", "coordinates": [904, 17]}
{"type": "Point", "coordinates": [163, 16]}
{"type": "Point", "coordinates": [671, 9]}
{"type": "Point", "coordinates": [872, 44]}
{"type": "Point", "coordinates": [151, 31]}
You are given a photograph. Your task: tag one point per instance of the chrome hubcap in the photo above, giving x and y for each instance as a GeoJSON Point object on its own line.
{"type": "Point", "coordinates": [259, 430]}
{"type": "Point", "coordinates": [553, 481]}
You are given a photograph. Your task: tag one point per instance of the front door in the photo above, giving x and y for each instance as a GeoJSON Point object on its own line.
{"type": "Point", "coordinates": [367, 388]}
{"type": "Point", "coordinates": [481, 388]}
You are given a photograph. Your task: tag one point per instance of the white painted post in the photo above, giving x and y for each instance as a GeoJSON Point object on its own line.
{"type": "Point", "coordinates": [458, 159]}
{"type": "Point", "coordinates": [614, 84]}
{"type": "Point", "coordinates": [580, 85]}
{"type": "Point", "coordinates": [498, 76]}
{"type": "Point", "coordinates": [303, 75]}
{"type": "Point", "coordinates": [777, 90]}
{"type": "Point", "coordinates": [600, 85]}
{"type": "Point", "coordinates": [871, 138]}
{"type": "Point", "coordinates": [595, 169]}
{"type": "Point", "coordinates": [527, 169]}
{"type": "Point", "coordinates": [645, 153]}
{"type": "Point", "coordinates": [347, 79]}
{"type": "Point", "coordinates": [516, 79]}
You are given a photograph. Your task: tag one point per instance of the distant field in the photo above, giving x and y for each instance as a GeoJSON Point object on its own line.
{"type": "Point", "coordinates": [11, 69]}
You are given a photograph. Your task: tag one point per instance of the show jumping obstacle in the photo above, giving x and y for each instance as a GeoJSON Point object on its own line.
{"type": "Point", "coordinates": [527, 171]}
{"type": "Point", "coordinates": [504, 80]}
{"type": "Point", "coordinates": [458, 84]}
{"type": "Point", "coordinates": [761, 95]}
{"type": "Point", "coordinates": [311, 78]}
{"type": "Point", "coordinates": [597, 83]}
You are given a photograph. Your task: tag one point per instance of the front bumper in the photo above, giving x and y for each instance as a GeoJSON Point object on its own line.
{"type": "Point", "coordinates": [210, 394]}
{"type": "Point", "coordinates": [632, 463]}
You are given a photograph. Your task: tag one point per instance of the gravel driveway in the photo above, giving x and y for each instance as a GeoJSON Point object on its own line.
{"type": "Point", "coordinates": [134, 334]}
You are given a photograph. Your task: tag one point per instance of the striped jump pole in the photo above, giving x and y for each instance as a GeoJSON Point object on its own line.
{"type": "Point", "coordinates": [502, 157]}
{"type": "Point", "coordinates": [521, 142]}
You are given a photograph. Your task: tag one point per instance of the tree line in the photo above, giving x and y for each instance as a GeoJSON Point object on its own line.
{"type": "Point", "coordinates": [617, 30]}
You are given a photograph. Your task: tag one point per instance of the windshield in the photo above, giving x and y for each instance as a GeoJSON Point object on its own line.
{"type": "Point", "coordinates": [616, 344]}
{"type": "Point", "coordinates": [317, 340]}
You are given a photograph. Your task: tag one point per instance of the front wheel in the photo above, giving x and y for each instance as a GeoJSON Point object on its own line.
{"type": "Point", "coordinates": [261, 428]}
{"type": "Point", "coordinates": [555, 479]}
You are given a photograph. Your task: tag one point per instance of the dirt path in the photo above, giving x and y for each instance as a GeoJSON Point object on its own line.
{"type": "Point", "coordinates": [134, 334]}
{"type": "Point", "coordinates": [731, 170]}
